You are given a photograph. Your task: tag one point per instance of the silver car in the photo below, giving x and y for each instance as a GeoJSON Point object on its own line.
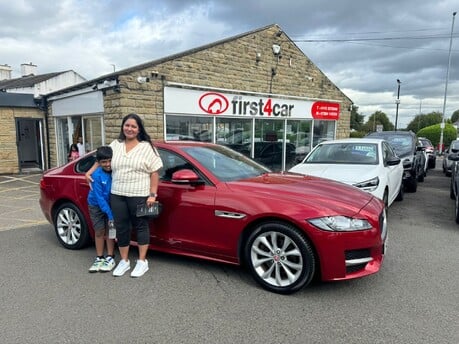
{"type": "Point", "coordinates": [447, 164]}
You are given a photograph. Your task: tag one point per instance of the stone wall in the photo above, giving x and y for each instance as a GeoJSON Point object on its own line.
{"type": "Point", "coordinates": [9, 159]}
{"type": "Point", "coordinates": [231, 65]}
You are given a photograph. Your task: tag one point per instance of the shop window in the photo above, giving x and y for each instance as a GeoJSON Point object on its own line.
{"type": "Point", "coordinates": [234, 133]}
{"type": "Point", "coordinates": [299, 134]}
{"type": "Point", "coordinates": [323, 131]}
{"type": "Point", "coordinates": [189, 128]}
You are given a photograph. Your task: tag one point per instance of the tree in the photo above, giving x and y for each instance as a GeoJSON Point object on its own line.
{"type": "Point", "coordinates": [455, 116]}
{"type": "Point", "coordinates": [357, 120]}
{"type": "Point", "coordinates": [422, 121]}
{"type": "Point", "coordinates": [375, 119]}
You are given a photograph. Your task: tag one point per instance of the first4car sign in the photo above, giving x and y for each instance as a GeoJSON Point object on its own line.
{"type": "Point", "coordinates": [218, 103]}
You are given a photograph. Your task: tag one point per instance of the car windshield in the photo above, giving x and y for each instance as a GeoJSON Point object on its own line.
{"type": "Point", "coordinates": [425, 143]}
{"type": "Point", "coordinates": [344, 153]}
{"type": "Point", "coordinates": [402, 144]}
{"type": "Point", "coordinates": [226, 164]}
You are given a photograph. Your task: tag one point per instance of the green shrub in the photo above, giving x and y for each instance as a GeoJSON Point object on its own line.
{"type": "Point", "coordinates": [433, 134]}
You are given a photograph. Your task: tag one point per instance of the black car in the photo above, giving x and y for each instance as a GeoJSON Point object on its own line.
{"type": "Point", "coordinates": [453, 158]}
{"type": "Point", "coordinates": [408, 148]}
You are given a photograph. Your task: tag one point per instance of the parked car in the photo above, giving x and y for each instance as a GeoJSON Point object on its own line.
{"type": "Point", "coordinates": [430, 151]}
{"type": "Point", "coordinates": [222, 206]}
{"type": "Point", "coordinates": [407, 147]}
{"type": "Point", "coordinates": [369, 164]}
{"type": "Point", "coordinates": [454, 185]}
{"type": "Point", "coordinates": [447, 163]}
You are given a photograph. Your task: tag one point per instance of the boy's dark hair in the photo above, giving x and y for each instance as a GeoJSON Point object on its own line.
{"type": "Point", "coordinates": [104, 153]}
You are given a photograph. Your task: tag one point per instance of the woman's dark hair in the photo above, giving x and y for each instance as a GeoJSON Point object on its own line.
{"type": "Point", "coordinates": [104, 153]}
{"type": "Point", "coordinates": [142, 136]}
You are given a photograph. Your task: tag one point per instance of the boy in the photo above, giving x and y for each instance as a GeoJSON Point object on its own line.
{"type": "Point", "coordinates": [100, 211]}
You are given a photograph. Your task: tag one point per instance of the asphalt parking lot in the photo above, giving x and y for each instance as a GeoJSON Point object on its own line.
{"type": "Point", "coordinates": [47, 295]}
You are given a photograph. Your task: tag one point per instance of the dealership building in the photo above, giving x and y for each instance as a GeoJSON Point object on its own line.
{"type": "Point", "coordinates": [256, 92]}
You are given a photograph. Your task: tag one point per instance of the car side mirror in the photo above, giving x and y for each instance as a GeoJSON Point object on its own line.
{"type": "Point", "coordinates": [186, 176]}
{"type": "Point", "coordinates": [453, 157]}
{"type": "Point", "coordinates": [393, 161]}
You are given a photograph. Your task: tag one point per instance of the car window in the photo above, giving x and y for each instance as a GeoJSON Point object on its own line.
{"type": "Point", "coordinates": [172, 163]}
{"type": "Point", "coordinates": [85, 164]}
{"type": "Point", "coordinates": [344, 153]}
{"type": "Point", "coordinates": [224, 163]}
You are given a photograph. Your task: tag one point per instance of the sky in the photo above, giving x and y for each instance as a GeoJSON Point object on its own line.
{"type": "Point", "coordinates": [362, 46]}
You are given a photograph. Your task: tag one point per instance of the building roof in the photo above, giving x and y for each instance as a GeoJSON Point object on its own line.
{"type": "Point", "coordinates": [26, 81]}
{"type": "Point", "coordinates": [114, 75]}
{"type": "Point", "coordinates": [17, 100]}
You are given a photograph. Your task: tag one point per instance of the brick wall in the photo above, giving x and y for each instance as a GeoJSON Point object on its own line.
{"type": "Point", "coordinates": [9, 159]}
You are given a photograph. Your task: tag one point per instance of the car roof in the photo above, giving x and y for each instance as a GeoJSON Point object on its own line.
{"type": "Point", "coordinates": [356, 140]}
{"type": "Point", "coordinates": [391, 132]}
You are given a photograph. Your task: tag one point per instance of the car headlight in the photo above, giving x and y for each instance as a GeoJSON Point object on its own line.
{"type": "Point", "coordinates": [368, 185]}
{"type": "Point", "coordinates": [340, 224]}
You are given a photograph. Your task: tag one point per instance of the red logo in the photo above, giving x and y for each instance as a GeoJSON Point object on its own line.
{"type": "Point", "coordinates": [213, 103]}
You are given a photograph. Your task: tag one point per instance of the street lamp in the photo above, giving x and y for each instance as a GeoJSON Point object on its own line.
{"type": "Point", "coordinates": [442, 126]}
{"type": "Point", "coordinates": [397, 102]}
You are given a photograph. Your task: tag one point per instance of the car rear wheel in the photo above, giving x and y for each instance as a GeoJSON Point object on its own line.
{"type": "Point", "coordinates": [411, 184]}
{"type": "Point", "coordinates": [456, 209]}
{"type": "Point", "coordinates": [280, 258]}
{"type": "Point", "coordinates": [70, 227]}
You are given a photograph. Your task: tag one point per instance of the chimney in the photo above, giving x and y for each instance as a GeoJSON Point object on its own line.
{"type": "Point", "coordinates": [28, 69]}
{"type": "Point", "coordinates": [5, 72]}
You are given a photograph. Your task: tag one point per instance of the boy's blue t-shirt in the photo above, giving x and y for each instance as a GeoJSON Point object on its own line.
{"type": "Point", "coordinates": [100, 193]}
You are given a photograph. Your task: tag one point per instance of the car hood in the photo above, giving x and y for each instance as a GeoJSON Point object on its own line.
{"type": "Point", "coordinates": [312, 192]}
{"type": "Point", "coordinates": [349, 174]}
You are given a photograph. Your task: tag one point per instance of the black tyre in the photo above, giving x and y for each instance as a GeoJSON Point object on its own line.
{"type": "Point", "coordinates": [411, 184]}
{"type": "Point", "coordinates": [456, 209]}
{"type": "Point", "coordinates": [452, 195]}
{"type": "Point", "coordinates": [280, 258]}
{"type": "Point", "coordinates": [386, 200]}
{"type": "Point", "coordinates": [71, 227]}
{"type": "Point", "coordinates": [421, 176]}
{"type": "Point", "coordinates": [401, 193]}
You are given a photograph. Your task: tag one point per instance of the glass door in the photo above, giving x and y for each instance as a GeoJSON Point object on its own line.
{"type": "Point", "coordinates": [93, 132]}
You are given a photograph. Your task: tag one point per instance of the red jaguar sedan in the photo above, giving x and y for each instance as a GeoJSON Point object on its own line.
{"type": "Point", "coordinates": [220, 205]}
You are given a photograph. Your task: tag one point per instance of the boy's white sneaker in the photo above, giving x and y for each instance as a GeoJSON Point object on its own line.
{"type": "Point", "coordinates": [123, 266]}
{"type": "Point", "coordinates": [107, 265]}
{"type": "Point", "coordinates": [98, 262]}
{"type": "Point", "coordinates": [140, 268]}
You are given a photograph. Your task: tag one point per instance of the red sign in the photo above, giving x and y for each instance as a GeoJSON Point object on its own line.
{"type": "Point", "coordinates": [324, 110]}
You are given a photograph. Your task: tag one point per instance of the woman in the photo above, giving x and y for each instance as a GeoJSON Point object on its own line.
{"type": "Point", "coordinates": [135, 165]}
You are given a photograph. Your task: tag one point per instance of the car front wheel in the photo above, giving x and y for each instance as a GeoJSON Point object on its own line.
{"type": "Point", "coordinates": [280, 258]}
{"type": "Point", "coordinates": [70, 226]}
